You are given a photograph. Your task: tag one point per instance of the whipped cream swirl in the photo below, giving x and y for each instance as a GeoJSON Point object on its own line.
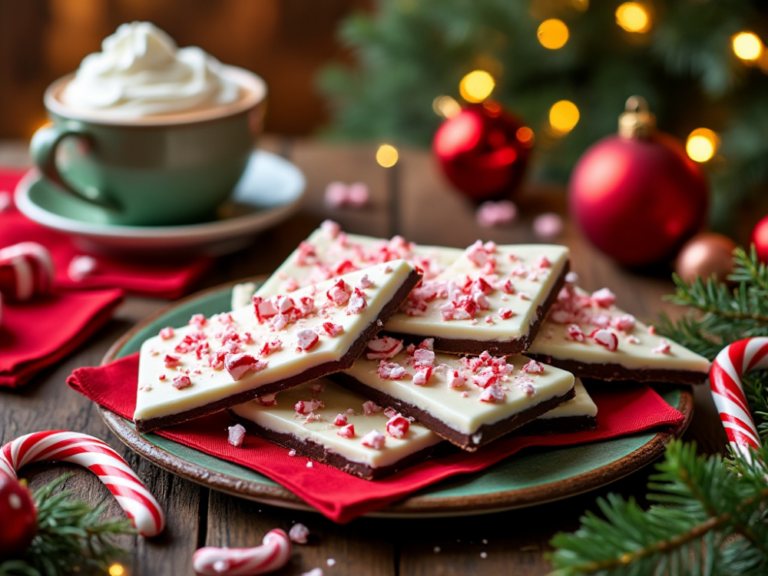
{"type": "Point", "coordinates": [142, 72]}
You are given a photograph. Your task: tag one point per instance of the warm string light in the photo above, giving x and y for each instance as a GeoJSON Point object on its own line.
{"type": "Point", "coordinates": [563, 116]}
{"type": "Point", "coordinates": [387, 155]}
{"type": "Point", "coordinates": [633, 17]}
{"type": "Point", "coordinates": [702, 144]}
{"type": "Point", "coordinates": [445, 106]}
{"type": "Point", "coordinates": [525, 136]}
{"type": "Point", "coordinates": [747, 46]}
{"type": "Point", "coordinates": [116, 570]}
{"type": "Point", "coordinates": [553, 33]}
{"type": "Point", "coordinates": [476, 86]}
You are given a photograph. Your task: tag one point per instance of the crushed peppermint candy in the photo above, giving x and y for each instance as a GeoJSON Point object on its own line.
{"type": "Point", "coordinates": [306, 340]}
{"type": "Point", "coordinates": [307, 407]}
{"type": "Point", "coordinates": [383, 348]}
{"type": "Point", "coordinates": [166, 333]}
{"type": "Point", "coordinates": [391, 371]}
{"type": "Point", "coordinates": [239, 364]}
{"type": "Point", "coordinates": [533, 367]}
{"type": "Point", "coordinates": [548, 225]}
{"type": "Point", "coordinates": [236, 435]}
{"type": "Point", "coordinates": [347, 431]}
{"type": "Point", "coordinates": [662, 348]}
{"type": "Point", "coordinates": [340, 420]}
{"type": "Point", "coordinates": [182, 381]}
{"type": "Point", "coordinates": [455, 379]}
{"type": "Point", "coordinates": [374, 439]}
{"type": "Point", "coordinates": [398, 426]}
{"type": "Point", "coordinates": [299, 533]}
{"type": "Point", "coordinates": [370, 408]}
{"type": "Point", "coordinates": [493, 393]}
{"type": "Point", "coordinates": [332, 329]}
{"type": "Point", "coordinates": [605, 338]}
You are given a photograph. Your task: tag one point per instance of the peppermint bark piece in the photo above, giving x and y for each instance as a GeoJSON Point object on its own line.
{"type": "Point", "coordinates": [493, 298]}
{"type": "Point", "coordinates": [328, 424]}
{"type": "Point", "coordinates": [578, 413]}
{"type": "Point", "coordinates": [469, 401]}
{"type": "Point", "coordinates": [587, 334]}
{"type": "Point", "coordinates": [329, 252]}
{"type": "Point", "coordinates": [277, 343]}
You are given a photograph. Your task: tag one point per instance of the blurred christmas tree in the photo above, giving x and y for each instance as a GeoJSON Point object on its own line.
{"type": "Point", "coordinates": [567, 68]}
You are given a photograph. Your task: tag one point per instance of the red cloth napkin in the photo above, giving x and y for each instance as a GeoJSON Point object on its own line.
{"type": "Point", "coordinates": [38, 333]}
{"type": "Point", "coordinates": [166, 280]}
{"type": "Point", "coordinates": [342, 497]}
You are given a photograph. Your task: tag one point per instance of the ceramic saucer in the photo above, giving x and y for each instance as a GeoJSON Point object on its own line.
{"type": "Point", "coordinates": [270, 190]}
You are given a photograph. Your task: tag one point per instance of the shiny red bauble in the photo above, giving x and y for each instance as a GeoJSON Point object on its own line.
{"type": "Point", "coordinates": [638, 199]}
{"type": "Point", "coordinates": [760, 239]}
{"type": "Point", "coordinates": [483, 151]}
{"type": "Point", "coordinates": [18, 518]}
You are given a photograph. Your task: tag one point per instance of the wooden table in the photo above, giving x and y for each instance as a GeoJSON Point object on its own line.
{"type": "Point", "coordinates": [409, 199]}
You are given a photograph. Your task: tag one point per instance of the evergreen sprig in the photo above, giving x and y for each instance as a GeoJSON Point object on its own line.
{"type": "Point", "coordinates": [709, 514]}
{"type": "Point", "coordinates": [71, 537]}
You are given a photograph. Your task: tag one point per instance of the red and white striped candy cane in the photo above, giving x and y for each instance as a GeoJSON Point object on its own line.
{"type": "Point", "coordinates": [272, 555]}
{"type": "Point", "coordinates": [99, 458]}
{"type": "Point", "coordinates": [26, 270]}
{"type": "Point", "coordinates": [731, 364]}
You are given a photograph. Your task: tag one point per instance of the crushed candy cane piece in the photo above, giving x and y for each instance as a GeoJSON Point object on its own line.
{"type": "Point", "coordinates": [490, 214]}
{"type": "Point", "coordinates": [299, 533]}
{"type": "Point", "coordinates": [374, 439]}
{"type": "Point", "coordinates": [533, 367]}
{"type": "Point", "coordinates": [397, 426]}
{"type": "Point", "coordinates": [347, 431]}
{"type": "Point", "coordinates": [80, 267]}
{"type": "Point", "coordinates": [236, 435]}
{"type": "Point", "coordinates": [370, 408]}
{"type": "Point", "coordinates": [306, 340]}
{"type": "Point", "coordinates": [547, 225]}
{"type": "Point", "coordinates": [605, 338]}
{"type": "Point", "coordinates": [383, 348]}
{"type": "Point", "coordinates": [166, 333]}
{"type": "Point", "coordinates": [181, 381]}
{"type": "Point", "coordinates": [391, 371]}
{"type": "Point", "coordinates": [493, 393]}
{"type": "Point", "coordinates": [340, 420]}
{"type": "Point", "coordinates": [662, 348]}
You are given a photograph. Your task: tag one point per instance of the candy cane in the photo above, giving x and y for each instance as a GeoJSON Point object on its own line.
{"type": "Point", "coordinates": [26, 270]}
{"type": "Point", "coordinates": [731, 364]}
{"type": "Point", "coordinates": [272, 555]}
{"type": "Point", "coordinates": [99, 458]}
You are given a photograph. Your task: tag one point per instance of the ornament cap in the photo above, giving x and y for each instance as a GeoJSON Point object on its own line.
{"type": "Point", "coordinates": [637, 121]}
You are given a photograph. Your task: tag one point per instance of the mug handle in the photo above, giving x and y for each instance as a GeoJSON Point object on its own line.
{"type": "Point", "coordinates": [43, 147]}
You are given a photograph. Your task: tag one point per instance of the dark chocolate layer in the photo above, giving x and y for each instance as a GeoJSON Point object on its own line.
{"type": "Point", "coordinates": [319, 371]}
{"type": "Point", "coordinates": [319, 453]}
{"type": "Point", "coordinates": [495, 347]}
{"type": "Point", "coordinates": [618, 372]}
{"type": "Point", "coordinates": [469, 442]}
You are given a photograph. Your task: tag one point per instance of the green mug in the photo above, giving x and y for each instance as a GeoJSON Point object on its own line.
{"type": "Point", "coordinates": [155, 170]}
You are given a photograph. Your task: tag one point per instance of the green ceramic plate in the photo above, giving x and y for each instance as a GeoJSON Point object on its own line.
{"type": "Point", "coordinates": [529, 478]}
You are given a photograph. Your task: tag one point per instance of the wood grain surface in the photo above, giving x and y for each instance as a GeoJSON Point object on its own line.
{"type": "Point", "coordinates": [411, 199]}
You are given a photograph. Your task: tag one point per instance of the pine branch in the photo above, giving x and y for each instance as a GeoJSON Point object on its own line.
{"type": "Point", "coordinates": [70, 537]}
{"type": "Point", "coordinates": [701, 504]}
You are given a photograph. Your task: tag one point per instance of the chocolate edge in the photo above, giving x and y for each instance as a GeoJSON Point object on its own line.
{"type": "Point", "coordinates": [485, 434]}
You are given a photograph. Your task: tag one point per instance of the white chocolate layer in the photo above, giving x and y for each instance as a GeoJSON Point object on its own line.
{"type": "Point", "coordinates": [284, 419]}
{"type": "Point", "coordinates": [580, 405]}
{"type": "Point", "coordinates": [635, 346]}
{"type": "Point", "coordinates": [332, 247]}
{"type": "Point", "coordinates": [157, 398]}
{"type": "Point", "coordinates": [461, 408]}
{"type": "Point", "coordinates": [517, 263]}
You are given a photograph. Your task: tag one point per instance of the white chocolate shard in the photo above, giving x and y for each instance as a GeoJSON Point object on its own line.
{"type": "Point", "coordinates": [578, 313]}
{"type": "Point", "coordinates": [209, 351]}
{"type": "Point", "coordinates": [284, 419]}
{"type": "Point", "coordinates": [579, 406]}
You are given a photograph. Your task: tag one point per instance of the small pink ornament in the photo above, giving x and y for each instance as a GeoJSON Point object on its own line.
{"type": "Point", "coordinates": [98, 457]}
{"type": "Point", "coordinates": [272, 555]}
{"type": "Point", "coordinates": [491, 214]}
{"type": "Point", "coordinates": [548, 225]}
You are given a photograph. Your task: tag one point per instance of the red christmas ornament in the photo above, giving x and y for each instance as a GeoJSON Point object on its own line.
{"type": "Point", "coordinates": [760, 239]}
{"type": "Point", "coordinates": [18, 524]}
{"type": "Point", "coordinates": [636, 195]}
{"type": "Point", "coordinates": [483, 151]}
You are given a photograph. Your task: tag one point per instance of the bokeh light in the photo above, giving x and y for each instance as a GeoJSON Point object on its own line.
{"type": "Point", "coordinates": [476, 86]}
{"type": "Point", "coordinates": [525, 136]}
{"type": "Point", "coordinates": [553, 33]}
{"type": "Point", "coordinates": [387, 155]}
{"type": "Point", "coordinates": [116, 570]}
{"type": "Point", "coordinates": [747, 46]}
{"type": "Point", "coordinates": [633, 17]}
{"type": "Point", "coordinates": [580, 5]}
{"type": "Point", "coordinates": [445, 106]}
{"type": "Point", "coordinates": [563, 116]}
{"type": "Point", "coordinates": [702, 144]}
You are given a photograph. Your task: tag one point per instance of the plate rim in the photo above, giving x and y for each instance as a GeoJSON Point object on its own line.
{"type": "Point", "coordinates": [205, 231]}
{"type": "Point", "coordinates": [414, 505]}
